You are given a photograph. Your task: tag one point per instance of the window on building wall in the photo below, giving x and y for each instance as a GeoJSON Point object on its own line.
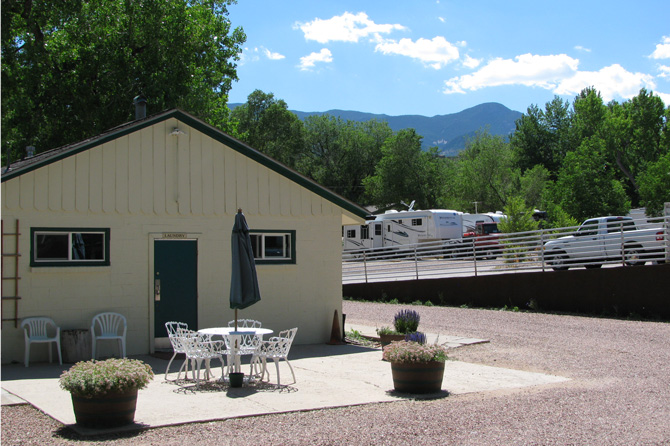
{"type": "Point", "coordinates": [273, 247]}
{"type": "Point", "coordinates": [69, 247]}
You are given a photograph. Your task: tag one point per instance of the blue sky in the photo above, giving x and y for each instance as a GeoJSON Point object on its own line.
{"type": "Point", "coordinates": [438, 57]}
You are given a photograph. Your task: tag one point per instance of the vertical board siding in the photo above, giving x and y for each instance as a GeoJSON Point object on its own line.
{"type": "Point", "coordinates": [165, 171]}
{"type": "Point", "coordinates": [69, 183]}
{"type": "Point", "coordinates": [41, 189]}
{"type": "Point", "coordinates": [109, 177]}
{"type": "Point", "coordinates": [152, 171]}
{"type": "Point", "coordinates": [183, 173]}
{"type": "Point", "coordinates": [218, 173]}
{"type": "Point", "coordinates": [95, 180]}
{"type": "Point", "coordinates": [263, 190]}
{"type": "Point", "coordinates": [230, 183]}
{"type": "Point", "coordinates": [26, 191]}
{"type": "Point", "coordinates": [121, 180]}
{"type": "Point", "coordinates": [252, 187]}
{"type": "Point", "coordinates": [207, 165]}
{"type": "Point", "coordinates": [135, 172]}
{"type": "Point", "coordinates": [81, 179]}
{"type": "Point", "coordinates": [55, 186]}
{"type": "Point", "coordinates": [147, 181]}
{"type": "Point", "coordinates": [195, 171]}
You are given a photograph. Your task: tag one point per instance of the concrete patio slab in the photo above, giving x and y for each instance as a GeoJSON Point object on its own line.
{"type": "Point", "coordinates": [327, 376]}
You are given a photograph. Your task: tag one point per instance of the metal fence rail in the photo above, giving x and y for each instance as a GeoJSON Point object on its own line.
{"type": "Point", "coordinates": [506, 253]}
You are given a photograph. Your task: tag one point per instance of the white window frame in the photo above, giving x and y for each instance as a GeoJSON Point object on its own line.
{"type": "Point", "coordinates": [288, 252]}
{"type": "Point", "coordinates": [70, 260]}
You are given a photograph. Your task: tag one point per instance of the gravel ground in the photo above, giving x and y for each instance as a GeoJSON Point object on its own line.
{"type": "Point", "coordinates": [619, 393]}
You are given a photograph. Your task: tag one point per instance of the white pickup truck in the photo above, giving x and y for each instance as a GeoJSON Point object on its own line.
{"type": "Point", "coordinates": [606, 239]}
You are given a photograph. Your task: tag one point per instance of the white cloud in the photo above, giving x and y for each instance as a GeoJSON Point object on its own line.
{"type": "Point", "coordinates": [435, 53]}
{"type": "Point", "coordinates": [272, 56]}
{"type": "Point", "coordinates": [557, 73]}
{"type": "Point", "coordinates": [665, 71]}
{"type": "Point", "coordinates": [612, 82]}
{"type": "Point", "coordinates": [528, 69]}
{"type": "Point", "coordinates": [583, 49]}
{"type": "Point", "coordinates": [470, 62]}
{"type": "Point", "coordinates": [347, 27]}
{"type": "Point", "coordinates": [309, 61]}
{"type": "Point", "coordinates": [662, 50]}
{"type": "Point", "coordinates": [664, 97]}
{"type": "Point", "coordinates": [441, 19]}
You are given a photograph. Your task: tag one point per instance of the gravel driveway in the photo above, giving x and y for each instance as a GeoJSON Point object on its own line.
{"type": "Point", "coordinates": [619, 392]}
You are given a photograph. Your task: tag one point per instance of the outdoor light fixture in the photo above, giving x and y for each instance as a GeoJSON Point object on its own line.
{"type": "Point", "coordinates": [177, 132]}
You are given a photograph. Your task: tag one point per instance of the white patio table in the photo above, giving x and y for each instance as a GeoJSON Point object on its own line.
{"type": "Point", "coordinates": [233, 340]}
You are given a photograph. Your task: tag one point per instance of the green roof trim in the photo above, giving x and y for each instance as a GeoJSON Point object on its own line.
{"type": "Point", "coordinates": [52, 156]}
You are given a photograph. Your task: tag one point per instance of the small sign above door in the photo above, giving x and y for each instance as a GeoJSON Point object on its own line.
{"type": "Point", "coordinates": [174, 235]}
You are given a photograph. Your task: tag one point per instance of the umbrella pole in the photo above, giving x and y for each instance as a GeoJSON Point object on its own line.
{"type": "Point", "coordinates": [235, 319]}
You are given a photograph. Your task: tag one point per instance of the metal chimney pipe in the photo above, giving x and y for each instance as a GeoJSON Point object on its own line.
{"type": "Point", "coordinates": [140, 107]}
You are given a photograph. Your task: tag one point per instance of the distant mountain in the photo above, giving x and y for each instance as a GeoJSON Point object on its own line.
{"type": "Point", "coordinates": [448, 132]}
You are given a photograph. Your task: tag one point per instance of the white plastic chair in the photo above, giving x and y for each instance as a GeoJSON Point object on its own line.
{"type": "Point", "coordinates": [36, 330]}
{"type": "Point", "coordinates": [173, 329]}
{"type": "Point", "coordinates": [276, 348]}
{"type": "Point", "coordinates": [109, 324]}
{"type": "Point", "coordinates": [200, 348]}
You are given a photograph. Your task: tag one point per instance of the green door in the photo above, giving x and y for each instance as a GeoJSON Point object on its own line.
{"type": "Point", "coordinates": [175, 284]}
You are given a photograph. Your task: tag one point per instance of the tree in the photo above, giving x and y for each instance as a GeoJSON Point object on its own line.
{"type": "Point", "coordinates": [634, 134]}
{"type": "Point", "coordinates": [543, 137]}
{"type": "Point", "coordinates": [485, 173]}
{"type": "Point", "coordinates": [586, 186]}
{"type": "Point", "coordinates": [406, 173]}
{"type": "Point", "coordinates": [519, 217]}
{"type": "Point", "coordinates": [655, 185]}
{"type": "Point", "coordinates": [266, 124]}
{"type": "Point", "coordinates": [343, 153]}
{"type": "Point", "coordinates": [70, 70]}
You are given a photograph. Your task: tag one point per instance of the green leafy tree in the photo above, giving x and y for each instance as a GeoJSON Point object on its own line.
{"type": "Point", "coordinates": [586, 186]}
{"type": "Point", "coordinates": [634, 135]}
{"type": "Point", "coordinates": [266, 124]}
{"type": "Point", "coordinates": [71, 69]}
{"type": "Point", "coordinates": [655, 185]}
{"type": "Point", "coordinates": [341, 154]}
{"type": "Point", "coordinates": [542, 137]}
{"type": "Point", "coordinates": [533, 183]}
{"type": "Point", "coordinates": [406, 173]}
{"type": "Point", "coordinates": [485, 173]}
{"type": "Point", "coordinates": [519, 217]}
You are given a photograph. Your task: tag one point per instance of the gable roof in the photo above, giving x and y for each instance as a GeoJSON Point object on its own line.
{"type": "Point", "coordinates": [23, 166]}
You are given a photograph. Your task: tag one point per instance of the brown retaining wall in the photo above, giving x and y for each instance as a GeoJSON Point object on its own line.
{"type": "Point", "coordinates": [638, 291]}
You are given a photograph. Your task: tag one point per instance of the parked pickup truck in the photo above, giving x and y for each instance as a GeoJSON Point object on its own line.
{"type": "Point", "coordinates": [603, 239]}
{"type": "Point", "coordinates": [486, 240]}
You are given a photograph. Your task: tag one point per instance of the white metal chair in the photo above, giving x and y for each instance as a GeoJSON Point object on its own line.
{"type": "Point", "coordinates": [245, 323]}
{"type": "Point", "coordinates": [246, 345]}
{"type": "Point", "coordinates": [200, 348]}
{"type": "Point", "coordinates": [112, 327]}
{"type": "Point", "coordinates": [173, 329]}
{"type": "Point", "coordinates": [36, 330]}
{"type": "Point", "coordinates": [275, 348]}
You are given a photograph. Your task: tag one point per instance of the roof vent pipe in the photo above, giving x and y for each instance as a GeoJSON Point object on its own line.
{"type": "Point", "coordinates": [30, 151]}
{"type": "Point", "coordinates": [140, 107]}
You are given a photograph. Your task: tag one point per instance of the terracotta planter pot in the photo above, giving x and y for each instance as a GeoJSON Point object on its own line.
{"type": "Point", "coordinates": [417, 377]}
{"type": "Point", "coordinates": [105, 411]}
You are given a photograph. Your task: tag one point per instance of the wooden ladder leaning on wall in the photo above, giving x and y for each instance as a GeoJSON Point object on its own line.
{"type": "Point", "coordinates": [10, 272]}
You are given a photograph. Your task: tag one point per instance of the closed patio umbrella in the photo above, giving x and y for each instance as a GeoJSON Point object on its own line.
{"type": "Point", "coordinates": [244, 290]}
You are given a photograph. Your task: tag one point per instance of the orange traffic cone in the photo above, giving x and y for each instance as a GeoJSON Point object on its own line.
{"type": "Point", "coordinates": [336, 332]}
